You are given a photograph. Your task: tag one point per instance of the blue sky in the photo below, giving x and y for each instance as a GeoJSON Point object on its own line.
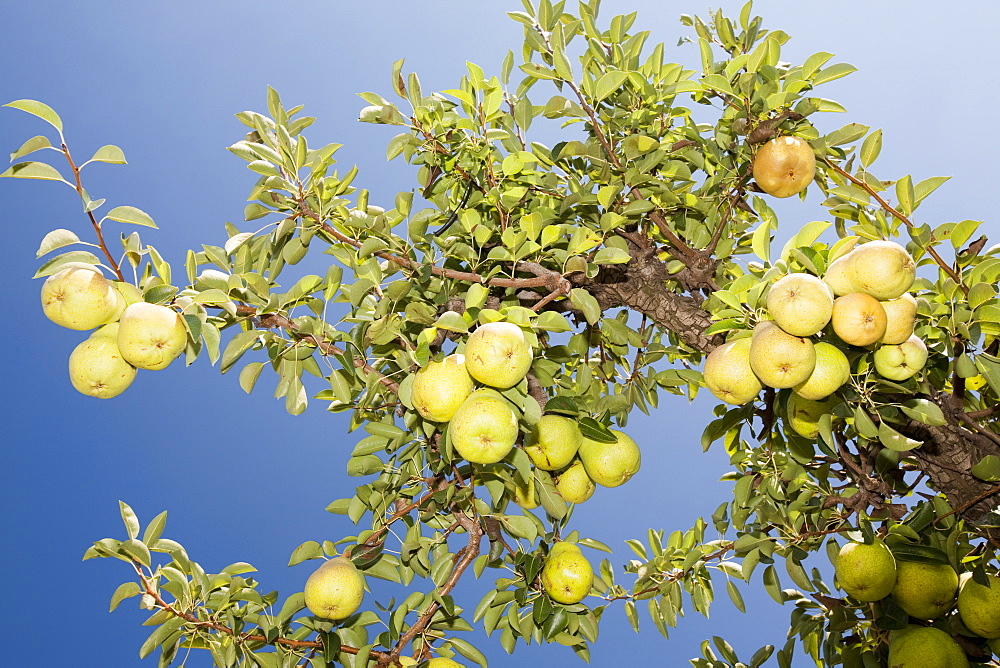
{"type": "Point", "coordinates": [241, 479]}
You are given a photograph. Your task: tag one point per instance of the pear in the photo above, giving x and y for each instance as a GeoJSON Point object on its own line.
{"type": "Point", "coordinates": [882, 269]}
{"type": "Point", "coordinates": [832, 370]}
{"type": "Point", "coordinates": [441, 662]}
{"type": "Point", "coordinates": [567, 576]}
{"type": "Point", "coordinates": [779, 359]}
{"type": "Point", "coordinates": [925, 591]}
{"type": "Point", "coordinates": [525, 494]}
{"type": "Point", "coordinates": [574, 485]}
{"type": "Point", "coordinates": [925, 647]}
{"type": "Point", "coordinates": [899, 362]}
{"type": "Point", "coordinates": [979, 606]}
{"type": "Point", "coordinates": [610, 464]}
{"type": "Point", "coordinates": [97, 368]}
{"type": "Point", "coordinates": [553, 442]}
{"type": "Point", "coordinates": [497, 354]}
{"type": "Point", "coordinates": [901, 315]}
{"type": "Point", "coordinates": [130, 295]}
{"type": "Point", "coordinates": [335, 589]}
{"type": "Point", "coordinates": [150, 336]}
{"type": "Point", "coordinates": [839, 279]}
{"type": "Point", "coordinates": [728, 375]}
{"type": "Point", "coordinates": [440, 388]}
{"type": "Point", "coordinates": [800, 304]}
{"type": "Point", "coordinates": [866, 572]}
{"type": "Point", "coordinates": [804, 414]}
{"type": "Point", "coordinates": [858, 319]}
{"type": "Point", "coordinates": [484, 428]}
{"type": "Point", "coordinates": [79, 297]}
{"type": "Point", "coordinates": [784, 166]}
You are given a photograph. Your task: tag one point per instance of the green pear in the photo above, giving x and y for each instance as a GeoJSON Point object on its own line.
{"type": "Point", "coordinates": [525, 495]}
{"type": "Point", "coordinates": [150, 336]}
{"type": "Point", "coordinates": [994, 644]}
{"type": "Point", "coordinates": [440, 388]}
{"type": "Point", "coordinates": [838, 277]}
{"type": "Point", "coordinates": [574, 485]}
{"type": "Point", "coordinates": [484, 428]}
{"type": "Point", "coordinates": [335, 589]}
{"type": "Point", "coordinates": [79, 297]}
{"type": "Point", "coordinates": [832, 370]}
{"type": "Point", "coordinates": [610, 464]}
{"type": "Point", "coordinates": [858, 319]}
{"type": "Point", "coordinates": [901, 315]}
{"type": "Point", "coordinates": [109, 330]}
{"type": "Point", "coordinates": [882, 269]}
{"type": "Point", "coordinates": [497, 354]}
{"type": "Point", "coordinates": [567, 576]}
{"type": "Point", "coordinates": [899, 362]}
{"type": "Point", "coordinates": [804, 414]}
{"type": "Point", "coordinates": [130, 295]}
{"type": "Point", "coordinates": [779, 359]}
{"type": "Point", "coordinates": [728, 374]}
{"type": "Point", "coordinates": [866, 572]}
{"type": "Point", "coordinates": [553, 442]}
{"type": "Point", "coordinates": [800, 304]}
{"type": "Point", "coordinates": [979, 606]}
{"type": "Point", "coordinates": [925, 591]}
{"type": "Point", "coordinates": [925, 647]}
{"type": "Point", "coordinates": [97, 368]}
{"type": "Point", "coordinates": [441, 662]}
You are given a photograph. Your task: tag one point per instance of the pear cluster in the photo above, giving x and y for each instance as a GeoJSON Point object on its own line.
{"type": "Point", "coordinates": [462, 390]}
{"type": "Point", "coordinates": [862, 301]}
{"type": "Point", "coordinates": [130, 334]}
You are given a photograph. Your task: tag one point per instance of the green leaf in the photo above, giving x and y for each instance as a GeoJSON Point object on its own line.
{"type": "Point", "coordinates": [55, 264]}
{"type": "Point", "coordinates": [760, 242]}
{"type": "Point", "coordinates": [129, 518]}
{"type": "Point", "coordinates": [608, 83]}
{"type": "Point", "coordinates": [307, 550]}
{"type": "Point", "coordinates": [132, 215]}
{"type": "Point", "coordinates": [586, 302]}
{"type": "Point", "coordinates": [154, 529]}
{"type": "Point", "coordinates": [125, 590]}
{"type": "Point", "coordinates": [551, 321]}
{"type": "Point", "coordinates": [905, 194]}
{"type": "Point", "coordinates": [989, 366]}
{"type": "Point", "coordinates": [34, 170]}
{"type": "Point", "coordinates": [453, 322]}
{"type": "Point", "coordinates": [56, 239]}
{"type": "Point", "coordinates": [110, 154]}
{"type": "Point", "coordinates": [249, 375]}
{"type": "Point", "coordinates": [893, 440]}
{"type": "Point", "coordinates": [987, 469]}
{"type": "Point", "coordinates": [464, 648]}
{"type": "Point", "coordinates": [39, 109]}
{"type": "Point", "coordinates": [871, 148]}
{"type": "Point", "coordinates": [735, 596]}
{"type": "Point", "coordinates": [611, 255]}
{"type": "Point", "coordinates": [924, 411]}
{"type": "Point", "coordinates": [596, 431]}
{"type": "Point", "coordinates": [236, 347]}
{"type": "Point", "coordinates": [833, 72]}
{"type": "Point", "coordinates": [30, 146]}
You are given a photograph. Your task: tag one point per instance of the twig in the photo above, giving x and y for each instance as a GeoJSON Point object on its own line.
{"type": "Point", "coordinates": [90, 214]}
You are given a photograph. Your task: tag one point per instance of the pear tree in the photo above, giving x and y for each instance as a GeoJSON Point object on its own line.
{"type": "Point", "coordinates": [518, 301]}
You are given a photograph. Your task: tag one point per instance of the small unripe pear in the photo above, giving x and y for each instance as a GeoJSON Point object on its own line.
{"type": "Point", "coordinates": [440, 388]}
{"type": "Point", "coordinates": [484, 428]}
{"type": "Point", "coordinates": [979, 606]}
{"type": "Point", "coordinates": [567, 576]}
{"type": "Point", "coordinates": [610, 464]}
{"type": "Point", "coordinates": [97, 368]}
{"type": "Point", "coordinates": [804, 414]}
{"type": "Point", "coordinates": [866, 572]}
{"type": "Point", "coordinates": [553, 442]}
{"type": "Point", "coordinates": [832, 370]}
{"type": "Point", "coordinates": [925, 591]}
{"type": "Point", "coordinates": [79, 297]}
{"type": "Point", "coordinates": [150, 336]}
{"type": "Point", "coordinates": [574, 485]}
{"type": "Point", "coordinates": [925, 647]}
{"type": "Point", "coordinates": [899, 362]}
{"type": "Point", "coordinates": [335, 589]}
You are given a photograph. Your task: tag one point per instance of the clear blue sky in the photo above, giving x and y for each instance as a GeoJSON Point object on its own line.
{"type": "Point", "coordinates": [244, 481]}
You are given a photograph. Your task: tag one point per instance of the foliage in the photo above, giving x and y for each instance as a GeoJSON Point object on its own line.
{"type": "Point", "coordinates": [627, 251]}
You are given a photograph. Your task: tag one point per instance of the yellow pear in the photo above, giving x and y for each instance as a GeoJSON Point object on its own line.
{"type": "Point", "coordinates": [979, 606]}
{"type": "Point", "coordinates": [881, 269]}
{"type": "Point", "coordinates": [574, 485]}
{"type": "Point", "coordinates": [441, 662]}
{"type": "Point", "coordinates": [804, 414]}
{"type": "Point", "coordinates": [800, 304]}
{"type": "Point", "coordinates": [784, 166]}
{"type": "Point", "coordinates": [728, 375]}
{"type": "Point", "coordinates": [901, 315]}
{"type": "Point", "coordinates": [553, 442]}
{"type": "Point", "coordinates": [901, 361]}
{"type": "Point", "coordinates": [440, 388]}
{"type": "Point", "coordinates": [97, 368]}
{"type": "Point", "coordinates": [832, 370]}
{"type": "Point", "coordinates": [925, 647]}
{"type": "Point", "coordinates": [497, 354]}
{"type": "Point", "coordinates": [79, 297]}
{"type": "Point", "coordinates": [858, 319]}
{"type": "Point", "coordinates": [567, 576]}
{"type": "Point", "coordinates": [335, 589]}
{"type": "Point", "coordinates": [150, 336]}
{"type": "Point", "coordinates": [610, 464]}
{"type": "Point", "coordinates": [484, 428]}
{"type": "Point", "coordinates": [525, 494]}
{"type": "Point", "coordinates": [925, 591]}
{"type": "Point", "coordinates": [779, 359]}
{"type": "Point", "coordinates": [866, 572]}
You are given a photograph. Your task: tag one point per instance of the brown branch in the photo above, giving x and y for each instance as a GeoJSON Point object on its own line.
{"type": "Point", "coordinates": [90, 214]}
{"type": "Point", "coordinates": [971, 502]}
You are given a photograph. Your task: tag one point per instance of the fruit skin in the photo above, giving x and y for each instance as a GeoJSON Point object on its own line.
{"type": "Point", "coordinates": [925, 647]}
{"type": "Point", "coordinates": [804, 414]}
{"type": "Point", "coordinates": [79, 297]}
{"type": "Point", "coordinates": [881, 269]}
{"type": "Point", "coordinates": [553, 442]}
{"type": "Point", "coordinates": [779, 359]}
{"type": "Point", "coordinates": [567, 575]}
{"type": "Point", "coordinates": [335, 589]}
{"type": "Point", "coordinates": [800, 304]}
{"type": "Point", "coordinates": [441, 662]}
{"type": "Point", "coordinates": [130, 295]}
{"type": "Point", "coordinates": [440, 388]}
{"type": "Point", "coordinates": [574, 485]}
{"type": "Point", "coordinates": [610, 464]}
{"type": "Point", "coordinates": [728, 375]}
{"type": "Point", "coordinates": [97, 368]}
{"type": "Point", "coordinates": [901, 314]}
{"type": "Point", "coordinates": [858, 319]}
{"type": "Point", "coordinates": [484, 427]}
{"type": "Point", "coordinates": [979, 606]}
{"type": "Point", "coordinates": [525, 495]}
{"type": "Point", "coordinates": [150, 336]}
{"type": "Point", "coordinates": [925, 591]}
{"type": "Point", "coordinates": [901, 361]}
{"type": "Point", "coordinates": [784, 166]}
{"type": "Point", "coordinates": [866, 572]}
{"type": "Point", "coordinates": [832, 370]}
{"type": "Point", "coordinates": [497, 354]}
